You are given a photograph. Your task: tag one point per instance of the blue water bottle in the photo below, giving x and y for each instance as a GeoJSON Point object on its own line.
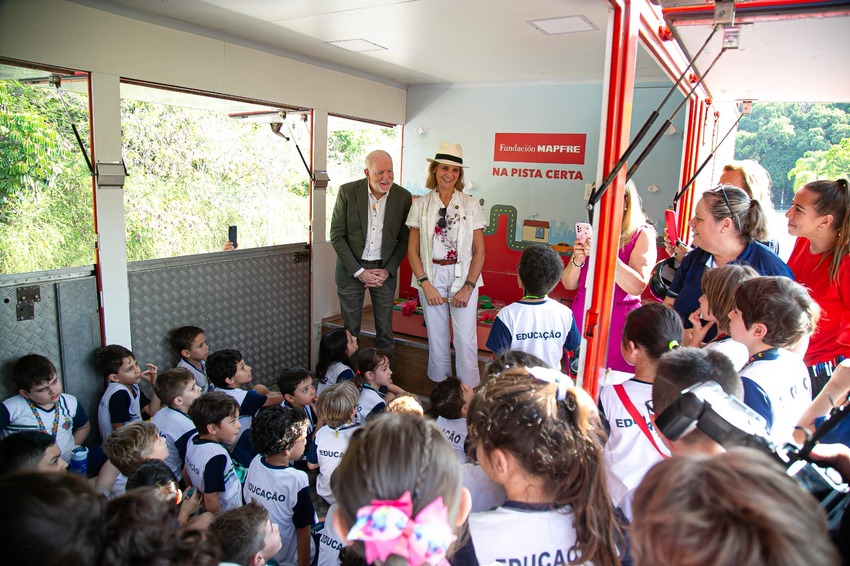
{"type": "Point", "coordinates": [79, 460]}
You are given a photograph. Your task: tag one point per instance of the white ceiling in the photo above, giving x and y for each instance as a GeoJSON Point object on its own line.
{"type": "Point", "coordinates": [490, 41]}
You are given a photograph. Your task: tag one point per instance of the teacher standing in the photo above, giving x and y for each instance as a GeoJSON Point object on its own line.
{"type": "Point", "coordinates": [446, 255]}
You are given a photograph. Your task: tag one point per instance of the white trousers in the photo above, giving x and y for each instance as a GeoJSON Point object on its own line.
{"type": "Point", "coordinates": [463, 322]}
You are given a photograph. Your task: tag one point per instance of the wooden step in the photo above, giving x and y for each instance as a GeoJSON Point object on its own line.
{"type": "Point", "coordinates": [410, 363]}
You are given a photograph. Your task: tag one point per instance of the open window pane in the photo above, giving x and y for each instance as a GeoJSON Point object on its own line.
{"type": "Point", "coordinates": [198, 164]}
{"type": "Point", "coordinates": [46, 212]}
{"type": "Point", "coordinates": [349, 142]}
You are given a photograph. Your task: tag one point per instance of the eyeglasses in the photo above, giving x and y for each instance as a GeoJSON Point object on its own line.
{"type": "Point", "coordinates": [722, 190]}
{"type": "Point", "coordinates": [650, 406]}
{"type": "Point", "coordinates": [442, 220]}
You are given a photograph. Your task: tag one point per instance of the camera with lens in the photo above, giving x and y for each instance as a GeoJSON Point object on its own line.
{"type": "Point", "coordinates": [731, 423]}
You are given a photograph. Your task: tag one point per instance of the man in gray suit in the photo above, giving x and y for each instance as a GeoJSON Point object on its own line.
{"type": "Point", "coordinates": [369, 235]}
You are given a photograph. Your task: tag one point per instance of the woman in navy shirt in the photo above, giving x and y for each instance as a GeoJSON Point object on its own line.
{"type": "Point", "coordinates": [724, 227]}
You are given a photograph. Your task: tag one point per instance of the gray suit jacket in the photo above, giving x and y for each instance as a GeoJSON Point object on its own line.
{"type": "Point", "coordinates": [349, 225]}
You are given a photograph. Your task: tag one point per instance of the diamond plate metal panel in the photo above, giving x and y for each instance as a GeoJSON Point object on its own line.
{"type": "Point", "coordinates": [18, 338]}
{"type": "Point", "coordinates": [79, 331]}
{"type": "Point", "coordinates": [257, 303]}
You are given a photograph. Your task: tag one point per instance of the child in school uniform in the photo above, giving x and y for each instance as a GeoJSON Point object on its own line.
{"type": "Point", "coordinates": [633, 444]}
{"type": "Point", "coordinates": [30, 451]}
{"type": "Point", "coordinates": [771, 315]}
{"type": "Point", "coordinates": [245, 536]}
{"type": "Point", "coordinates": [543, 443]}
{"type": "Point", "coordinates": [536, 324]}
{"type": "Point", "coordinates": [718, 298]}
{"type": "Point", "coordinates": [41, 405]}
{"type": "Point", "coordinates": [208, 463]}
{"type": "Point", "coordinates": [299, 393]}
{"type": "Point", "coordinates": [373, 373]}
{"type": "Point", "coordinates": [177, 390]}
{"type": "Point", "coordinates": [280, 436]}
{"type": "Point", "coordinates": [335, 351]}
{"type": "Point", "coordinates": [157, 475]}
{"type": "Point", "coordinates": [399, 492]}
{"type": "Point", "coordinates": [123, 401]}
{"type": "Point", "coordinates": [449, 404]}
{"type": "Point", "coordinates": [337, 407]}
{"type": "Point", "coordinates": [190, 343]}
{"type": "Point", "coordinates": [129, 446]}
{"type": "Point", "coordinates": [229, 373]}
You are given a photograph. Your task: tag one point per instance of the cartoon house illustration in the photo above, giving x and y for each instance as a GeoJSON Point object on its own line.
{"type": "Point", "coordinates": [535, 231]}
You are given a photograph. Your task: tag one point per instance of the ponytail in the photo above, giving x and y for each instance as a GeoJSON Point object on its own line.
{"type": "Point", "coordinates": [368, 359]}
{"type": "Point", "coordinates": [654, 327]}
{"type": "Point", "coordinates": [748, 217]}
{"type": "Point", "coordinates": [833, 197]}
{"type": "Point", "coordinates": [558, 442]}
{"type": "Point", "coordinates": [754, 222]}
{"type": "Point", "coordinates": [842, 225]}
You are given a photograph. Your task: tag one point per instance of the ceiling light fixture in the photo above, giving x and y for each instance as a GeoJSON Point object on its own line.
{"type": "Point", "coordinates": [567, 24]}
{"type": "Point", "coordinates": [356, 45]}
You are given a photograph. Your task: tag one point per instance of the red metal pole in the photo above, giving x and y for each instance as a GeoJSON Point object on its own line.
{"type": "Point", "coordinates": [756, 10]}
{"type": "Point", "coordinates": [619, 114]}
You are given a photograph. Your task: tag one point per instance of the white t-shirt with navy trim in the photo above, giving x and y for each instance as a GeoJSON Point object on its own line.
{"type": "Point", "coordinates": [285, 493]}
{"type": "Point", "coordinates": [372, 402]}
{"type": "Point", "coordinates": [777, 386]}
{"type": "Point", "coordinates": [455, 431]}
{"type": "Point", "coordinates": [178, 429]}
{"type": "Point", "coordinates": [327, 451]}
{"type": "Point", "coordinates": [16, 416]}
{"type": "Point", "coordinates": [735, 351]}
{"type": "Point", "coordinates": [486, 494]}
{"type": "Point", "coordinates": [250, 403]}
{"type": "Point", "coordinates": [120, 404]}
{"type": "Point", "coordinates": [335, 373]}
{"type": "Point", "coordinates": [523, 534]}
{"type": "Point", "coordinates": [543, 328]}
{"type": "Point", "coordinates": [210, 469]}
{"type": "Point", "coordinates": [200, 374]}
{"type": "Point", "coordinates": [628, 452]}
{"type": "Point", "coordinates": [329, 542]}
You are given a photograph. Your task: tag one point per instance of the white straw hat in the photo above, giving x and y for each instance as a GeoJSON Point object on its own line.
{"type": "Point", "coordinates": [448, 153]}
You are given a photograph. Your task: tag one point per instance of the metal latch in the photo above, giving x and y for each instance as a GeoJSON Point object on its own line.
{"type": "Point", "coordinates": [27, 297]}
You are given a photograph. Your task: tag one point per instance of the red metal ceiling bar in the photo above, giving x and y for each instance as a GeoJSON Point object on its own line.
{"type": "Point", "coordinates": [758, 10]}
{"type": "Point", "coordinates": [669, 57]}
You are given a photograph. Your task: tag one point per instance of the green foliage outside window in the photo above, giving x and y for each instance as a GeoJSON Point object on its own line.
{"type": "Point", "coordinates": [45, 187]}
{"type": "Point", "coordinates": [191, 174]}
{"type": "Point", "coordinates": [777, 135]}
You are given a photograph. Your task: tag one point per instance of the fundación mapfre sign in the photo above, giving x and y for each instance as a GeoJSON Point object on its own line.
{"type": "Point", "coordinates": [567, 149]}
{"type": "Point", "coordinates": [551, 149]}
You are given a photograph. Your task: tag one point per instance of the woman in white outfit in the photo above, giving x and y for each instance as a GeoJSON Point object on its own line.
{"type": "Point", "coordinates": [446, 254]}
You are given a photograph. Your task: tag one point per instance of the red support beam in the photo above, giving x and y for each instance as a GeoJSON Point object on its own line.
{"type": "Point", "coordinates": [625, 22]}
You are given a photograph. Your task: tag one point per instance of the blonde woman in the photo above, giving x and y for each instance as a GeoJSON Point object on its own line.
{"type": "Point", "coordinates": [446, 255]}
{"type": "Point", "coordinates": [635, 261]}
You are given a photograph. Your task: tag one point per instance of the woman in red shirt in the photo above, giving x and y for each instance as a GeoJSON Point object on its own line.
{"type": "Point", "coordinates": [820, 218]}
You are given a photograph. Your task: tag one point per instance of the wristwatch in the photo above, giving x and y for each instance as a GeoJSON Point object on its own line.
{"type": "Point", "coordinates": [469, 284]}
{"type": "Point", "coordinates": [422, 279]}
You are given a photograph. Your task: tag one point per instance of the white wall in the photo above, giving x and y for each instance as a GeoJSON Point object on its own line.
{"type": "Point", "coordinates": [55, 32]}
{"type": "Point", "coordinates": [471, 116]}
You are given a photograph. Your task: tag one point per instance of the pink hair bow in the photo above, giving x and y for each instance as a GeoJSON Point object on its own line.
{"type": "Point", "coordinates": [386, 527]}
